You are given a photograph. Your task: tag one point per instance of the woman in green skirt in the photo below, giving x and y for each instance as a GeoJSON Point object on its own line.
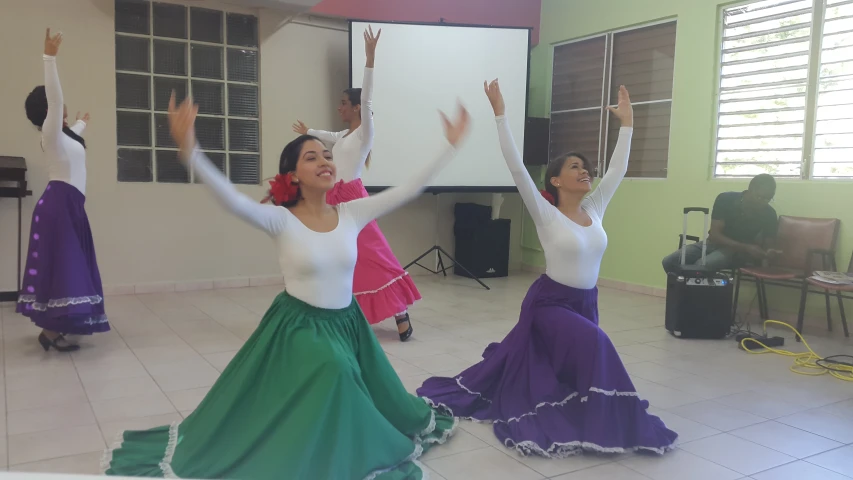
{"type": "Point", "coordinates": [311, 395]}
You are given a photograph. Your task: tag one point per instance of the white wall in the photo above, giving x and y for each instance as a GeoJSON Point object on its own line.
{"type": "Point", "coordinates": [152, 233]}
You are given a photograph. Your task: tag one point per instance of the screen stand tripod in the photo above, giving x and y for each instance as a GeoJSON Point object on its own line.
{"type": "Point", "coordinates": [441, 254]}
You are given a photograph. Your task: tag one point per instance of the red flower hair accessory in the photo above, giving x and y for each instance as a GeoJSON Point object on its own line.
{"type": "Point", "coordinates": [548, 197]}
{"type": "Point", "coordinates": [282, 190]}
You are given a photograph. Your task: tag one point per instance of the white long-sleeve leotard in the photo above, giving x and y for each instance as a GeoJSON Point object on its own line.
{"type": "Point", "coordinates": [350, 149]}
{"type": "Point", "coordinates": [66, 157]}
{"type": "Point", "coordinates": [573, 252]}
{"type": "Point", "coordinates": [317, 267]}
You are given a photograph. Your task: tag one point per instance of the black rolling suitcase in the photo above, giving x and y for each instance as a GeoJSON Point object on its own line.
{"type": "Point", "coordinates": [698, 300]}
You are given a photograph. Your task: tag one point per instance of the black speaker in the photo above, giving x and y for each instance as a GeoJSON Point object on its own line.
{"type": "Point", "coordinates": [470, 214]}
{"type": "Point", "coordinates": [698, 304]}
{"type": "Point", "coordinates": [482, 244]}
{"type": "Point", "coordinates": [537, 134]}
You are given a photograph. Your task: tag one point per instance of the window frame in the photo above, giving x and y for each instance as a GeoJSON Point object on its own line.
{"type": "Point", "coordinates": [607, 87]}
{"type": "Point", "coordinates": [224, 82]}
{"type": "Point", "coordinates": [812, 93]}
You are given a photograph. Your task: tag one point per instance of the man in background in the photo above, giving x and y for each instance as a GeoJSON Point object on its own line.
{"type": "Point", "coordinates": [743, 228]}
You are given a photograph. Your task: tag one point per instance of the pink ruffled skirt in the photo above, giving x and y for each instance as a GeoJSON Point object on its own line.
{"type": "Point", "coordinates": [380, 285]}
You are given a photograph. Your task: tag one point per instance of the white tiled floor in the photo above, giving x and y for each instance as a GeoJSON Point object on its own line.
{"type": "Point", "coordinates": [740, 416]}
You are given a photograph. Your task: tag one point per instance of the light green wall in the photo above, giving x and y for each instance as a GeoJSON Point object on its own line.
{"type": "Point", "coordinates": [644, 219]}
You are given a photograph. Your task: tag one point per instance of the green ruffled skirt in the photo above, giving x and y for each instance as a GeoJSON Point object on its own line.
{"type": "Point", "coordinates": [311, 395]}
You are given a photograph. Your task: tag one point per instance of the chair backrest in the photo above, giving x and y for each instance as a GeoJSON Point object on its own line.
{"type": "Point", "coordinates": [797, 235]}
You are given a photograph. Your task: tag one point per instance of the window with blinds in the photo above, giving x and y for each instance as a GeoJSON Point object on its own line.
{"type": "Point", "coordinates": [786, 90]}
{"type": "Point", "coordinates": [209, 54]}
{"type": "Point", "coordinates": [833, 139]}
{"type": "Point", "coordinates": [586, 78]}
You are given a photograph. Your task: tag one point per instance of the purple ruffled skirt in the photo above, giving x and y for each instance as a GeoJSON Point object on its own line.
{"type": "Point", "coordinates": [61, 289]}
{"type": "Point", "coordinates": [555, 386]}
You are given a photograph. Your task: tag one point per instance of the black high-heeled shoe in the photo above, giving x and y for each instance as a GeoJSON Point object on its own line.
{"type": "Point", "coordinates": [47, 343]}
{"type": "Point", "coordinates": [408, 333]}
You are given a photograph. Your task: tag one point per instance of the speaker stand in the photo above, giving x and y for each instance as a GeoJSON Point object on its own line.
{"type": "Point", "coordinates": [441, 253]}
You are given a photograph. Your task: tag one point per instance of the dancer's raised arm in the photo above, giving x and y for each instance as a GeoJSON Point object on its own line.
{"type": "Point", "coordinates": [329, 138]}
{"type": "Point", "coordinates": [80, 124]}
{"type": "Point", "coordinates": [52, 127]}
{"type": "Point", "coordinates": [618, 167]}
{"type": "Point", "coordinates": [268, 218]}
{"type": "Point", "coordinates": [540, 209]}
{"type": "Point", "coordinates": [364, 210]}
{"type": "Point", "coordinates": [366, 131]}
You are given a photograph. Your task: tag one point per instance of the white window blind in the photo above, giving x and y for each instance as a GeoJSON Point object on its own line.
{"type": "Point", "coordinates": [833, 145]}
{"type": "Point", "coordinates": [784, 100]}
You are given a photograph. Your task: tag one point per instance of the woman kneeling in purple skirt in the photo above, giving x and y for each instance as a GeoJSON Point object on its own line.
{"type": "Point", "coordinates": [61, 290]}
{"type": "Point", "coordinates": [555, 386]}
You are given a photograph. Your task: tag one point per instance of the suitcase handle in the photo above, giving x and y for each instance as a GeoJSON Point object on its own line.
{"type": "Point", "coordinates": [706, 213]}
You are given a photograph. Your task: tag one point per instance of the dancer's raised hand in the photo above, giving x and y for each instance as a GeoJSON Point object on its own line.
{"type": "Point", "coordinates": [300, 128]}
{"type": "Point", "coordinates": [456, 130]}
{"type": "Point", "coordinates": [496, 98]}
{"type": "Point", "coordinates": [52, 43]}
{"type": "Point", "coordinates": [85, 117]}
{"type": "Point", "coordinates": [182, 124]}
{"type": "Point", "coordinates": [623, 109]}
{"type": "Point", "coordinates": [370, 41]}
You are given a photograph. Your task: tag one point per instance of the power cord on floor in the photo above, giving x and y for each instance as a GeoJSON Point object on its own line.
{"type": "Point", "coordinates": [807, 363]}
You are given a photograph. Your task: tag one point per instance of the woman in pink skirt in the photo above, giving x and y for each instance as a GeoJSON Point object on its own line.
{"type": "Point", "coordinates": [381, 286]}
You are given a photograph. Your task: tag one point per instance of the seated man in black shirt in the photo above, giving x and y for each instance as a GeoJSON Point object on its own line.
{"type": "Point", "coordinates": [743, 225]}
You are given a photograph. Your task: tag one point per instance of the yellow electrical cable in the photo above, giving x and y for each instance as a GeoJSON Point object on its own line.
{"type": "Point", "coordinates": [805, 363]}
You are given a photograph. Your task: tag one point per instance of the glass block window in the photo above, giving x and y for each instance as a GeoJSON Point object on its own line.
{"type": "Point", "coordinates": [208, 54]}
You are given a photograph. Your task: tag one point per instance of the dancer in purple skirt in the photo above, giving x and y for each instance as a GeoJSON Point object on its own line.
{"type": "Point", "coordinates": [555, 386]}
{"type": "Point", "coordinates": [61, 290]}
